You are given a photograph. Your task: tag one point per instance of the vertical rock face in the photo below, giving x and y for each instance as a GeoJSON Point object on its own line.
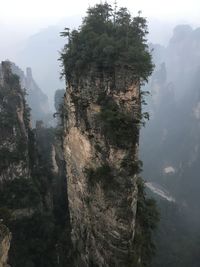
{"type": "Point", "coordinates": [100, 148]}
{"type": "Point", "coordinates": [5, 238]}
{"type": "Point", "coordinates": [36, 98]}
{"type": "Point", "coordinates": [14, 127]}
{"type": "Point", "coordinates": [32, 184]}
{"type": "Point", "coordinates": [14, 148]}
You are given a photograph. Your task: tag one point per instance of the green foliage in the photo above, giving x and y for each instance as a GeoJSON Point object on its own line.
{"type": "Point", "coordinates": [107, 39]}
{"type": "Point", "coordinates": [12, 99]}
{"type": "Point", "coordinates": [146, 222]}
{"type": "Point", "coordinates": [19, 193]}
{"type": "Point", "coordinates": [45, 138]}
{"type": "Point", "coordinates": [11, 96]}
{"type": "Point", "coordinates": [101, 174]}
{"type": "Point", "coordinates": [42, 172]}
{"type": "Point", "coordinates": [8, 157]}
{"type": "Point", "coordinates": [41, 238]}
{"type": "Point", "coordinates": [132, 167]}
{"type": "Point", "coordinates": [60, 113]}
{"type": "Point", "coordinates": [34, 211]}
{"type": "Point", "coordinates": [58, 99]}
{"type": "Point", "coordinates": [119, 128]}
{"type": "Point", "coordinates": [38, 241]}
{"type": "Point", "coordinates": [5, 215]}
{"type": "Point", "coordinates": [32, 240]}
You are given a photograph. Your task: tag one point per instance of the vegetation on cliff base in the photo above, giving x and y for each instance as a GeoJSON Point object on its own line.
{"type": "Point", "coordinates": [33, 207]}
{"type": "Point", "coordinates": [108, 39]}
{"type": "Point", "coordinates": [147, 219]}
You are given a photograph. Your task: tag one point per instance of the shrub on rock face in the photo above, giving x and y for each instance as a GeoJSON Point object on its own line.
{"type": "Point", "coordinates": [102, 174]}
{"type": "Point", "coordinates": [118, 127]}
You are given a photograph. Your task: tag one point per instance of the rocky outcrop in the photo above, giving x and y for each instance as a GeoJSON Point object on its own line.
{"type": "Point", "coordinates": [14, 127]}
{"type": "Point", "coordinates": [5, 237]}
{"type": "Point", "coordinates": [14, 149]}
{"type": "Point", "coordinates": [33, 201]}
{"type": "Point", "coordinates": [36, 98]}
{"type": "Point", "coordinates": [100, 148]}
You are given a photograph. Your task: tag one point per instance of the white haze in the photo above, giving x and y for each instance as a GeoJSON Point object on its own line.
{"type": "Point", "coordinates": [21, 19]}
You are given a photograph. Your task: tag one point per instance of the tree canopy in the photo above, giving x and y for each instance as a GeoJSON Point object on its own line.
{"type": "Point", "coordinates": [109, 38]}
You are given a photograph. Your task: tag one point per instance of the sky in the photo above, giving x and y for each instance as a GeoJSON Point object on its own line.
{"type": "Point", "coordinates": [41, 12]}
{"type": "Point", "coordinates": [32, 9]}
{"type": "Point", "coordinates": [21, 19]}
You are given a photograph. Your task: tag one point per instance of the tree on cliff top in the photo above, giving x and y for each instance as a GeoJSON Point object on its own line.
{"type": "Point", "coordinates": [107, 39]}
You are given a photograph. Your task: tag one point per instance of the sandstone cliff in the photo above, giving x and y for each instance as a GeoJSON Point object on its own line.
{"type": "Point", "coordinates": [5, 238]}
{"type": "Point", "coordinates": [105, 61]}
{"type": "Point", "coordinates": [32, 194]}
{"type": "Point", "coordinates": [100, 148]}
{"type": "Point", "coordinates": [14, 127]}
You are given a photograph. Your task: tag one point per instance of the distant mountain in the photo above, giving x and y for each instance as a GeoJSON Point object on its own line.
{"type": "Point", "coordinates": [174, 126]}
{"type": "Point", "coordinates": [41, 52]}
{"type": "Point", "coordinates": [37, 100]}
{"type": "Point", "coordinates": [170, 143]}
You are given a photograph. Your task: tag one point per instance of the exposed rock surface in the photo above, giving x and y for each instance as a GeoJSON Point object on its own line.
{"type": "Point", "coordinates": [14, 127]}
{"type": "Point", "coordinates": [33, 201]}
{"type": "Point", "coordinates": [5, 237]}
{"type": "Point", "coordinates": [102, 187]}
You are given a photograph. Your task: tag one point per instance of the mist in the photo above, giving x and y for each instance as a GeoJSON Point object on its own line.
{"type": "Point", "coordinates": [170, 144]}
{"type": "Point", "coordinates": [31, 36]}
{"type": "Point", "coordinates": [169, 141]}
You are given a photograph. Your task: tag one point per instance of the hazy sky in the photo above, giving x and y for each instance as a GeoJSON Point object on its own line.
{"type": "Point", "coordinates": [20, 19]}
{"type": "Point", "coordinates": [51, 10]}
